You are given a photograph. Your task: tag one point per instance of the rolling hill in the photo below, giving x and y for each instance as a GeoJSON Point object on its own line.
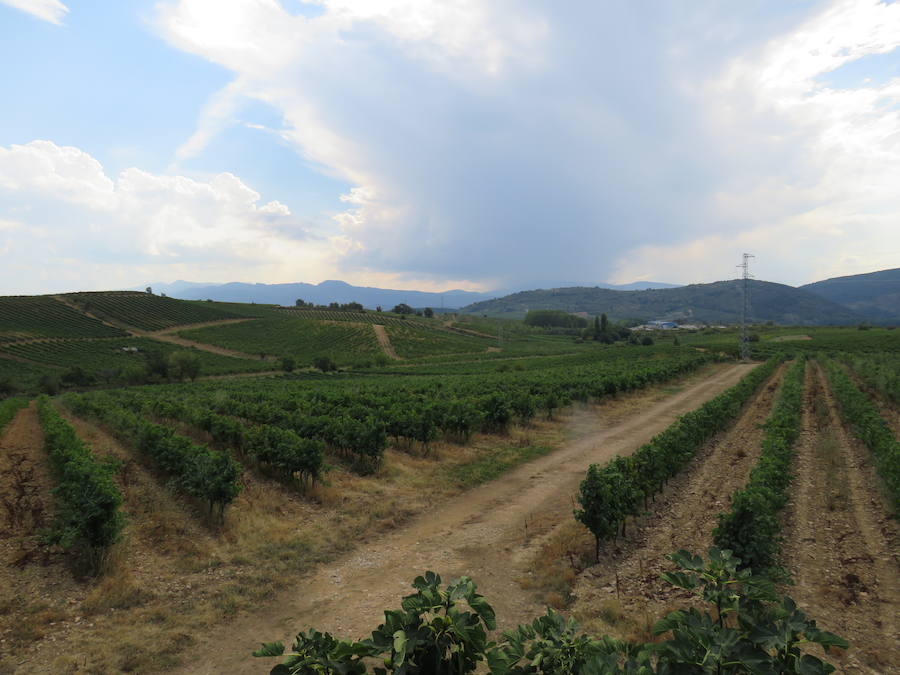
{"type": "Point", "coordinates": [718, 302]}
{"type": "Point", "coordinates": [875, 295]}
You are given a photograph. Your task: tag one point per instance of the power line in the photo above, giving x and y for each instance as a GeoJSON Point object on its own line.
{"type": "Point", "coordinates": [745, 306]}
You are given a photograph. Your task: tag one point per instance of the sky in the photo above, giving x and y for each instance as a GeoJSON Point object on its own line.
{"type": "Point", "coordinates": [437, 144]}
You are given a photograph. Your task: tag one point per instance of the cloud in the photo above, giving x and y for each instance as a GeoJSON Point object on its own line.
{"type": "Point", "coordinates": [52, 11]}
{"type": "Point", "coordinates": [522, 141]}
{"type": "Point", "coordinates": [58, 206]}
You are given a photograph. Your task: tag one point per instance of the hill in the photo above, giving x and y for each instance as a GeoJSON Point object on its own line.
{"type": "Point", "coordinates": [719, 302]}
{"type": "Point", "coordinates": [875, 295]}
{"type": "Point", "coordinates": [321, 294]}
{"type": "Point", "coordinates": [342, 292]}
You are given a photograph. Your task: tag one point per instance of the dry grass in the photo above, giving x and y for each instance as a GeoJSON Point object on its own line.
{"type": "Point", "coordinates": [175, 576]}
{"type": "Point", "coordinates": [559, 559]}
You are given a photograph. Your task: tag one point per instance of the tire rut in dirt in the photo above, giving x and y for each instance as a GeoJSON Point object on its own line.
{"type": "Point", "coordinates": [841, 548]}
{"type": "Point", "coordinates": [623, 595]}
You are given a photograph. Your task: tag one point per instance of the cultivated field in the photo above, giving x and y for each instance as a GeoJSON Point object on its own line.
{"type": "Point", "coordinates": [176, 525]}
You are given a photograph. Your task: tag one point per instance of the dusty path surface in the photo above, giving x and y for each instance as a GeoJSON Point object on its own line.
{"type": "Point", "coordinates": [203, 346]}
{"type": "Point", "coordinates": [623, 593]}
{"type": "Point", "coordinates": [204, 324]}
{"type": "Point", "coordinates": [841, 548]}
{"type": "Point", "coordinates": [481, 534]}
{"type": "Point", "coordinates": [385, 341]}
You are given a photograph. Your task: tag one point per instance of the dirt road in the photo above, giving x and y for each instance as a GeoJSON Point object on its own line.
{"type": "Point", "coordinates": [841, 548]}
{"type": "Point", "coordinates": [385, 341]}
{"type": "Point", "coordinates": [625, 586]}
{"type": "Point", "coordinates": [482, 534]}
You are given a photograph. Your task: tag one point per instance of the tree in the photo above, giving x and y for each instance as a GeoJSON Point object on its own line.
{"type": "Point", "coordinates": [301, 303]}
{"type": "Point", "coordinates": [402, 308]}
{"type": "Point", "coordinates": [604, 324]}
{"type": "Point", "coordinates": [287, 364]}
{"type": "Point", "coordinates": [428, 312]}
{"type": "Point", "coordinates": [324, 363]}
{"type": "Point", "coordinates": [378, 308]}
{"type": "Point", "coordinates": [156, 363]}
{"type": "Point", "coordinates": [184, 364]}
{"type": "Point", "coordinates": [149, 290]}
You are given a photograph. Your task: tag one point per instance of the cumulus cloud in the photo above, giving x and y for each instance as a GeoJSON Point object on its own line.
{"type": "Point", "coordinates": [52, 11]}
{"type": "Point", "coordinates": [57, 205]}
{"type": "Point", "coordinates": [518, 141]}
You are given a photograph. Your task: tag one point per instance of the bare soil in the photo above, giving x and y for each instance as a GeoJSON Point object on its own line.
{"type": "Point", "coordinates": [385, 341]}
{"type": "Point", "coordinates": [334, 558]}
{"type": "Point", "coordinates": [481, 534]}
{"type": "Point", "coordinates": [623, 595]}
{"type": "Point", "coordinates": [841, 548]}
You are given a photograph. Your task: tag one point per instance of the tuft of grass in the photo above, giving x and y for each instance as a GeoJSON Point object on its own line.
{"type": "Point", "coordinates": [493, 463]}
{"type": "Point", "coordinates": [117, 590]}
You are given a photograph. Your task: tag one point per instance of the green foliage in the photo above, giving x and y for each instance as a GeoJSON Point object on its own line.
{"type": "Point", "coordinates": [202, 473]}
{"type": "Point", "coordinates": [403, 308]}
{"type": "Point", "coordinates": [288, 364]}
{"type": "Point", "coordinates": [554, 318]}
{"type": "Point", "coordinates": [445, 631]}
{"type": "Point", "coordinates": [42, 316]}
{"type": "Point", "coordinates": [9, 407]}
{"type": "Point", "coordinates": [747, 633]}
{"type": "Point", "coordinates": [325, 364]}
{"type": "Point", "coordinates": [435, 631]}
{"type": "Point", "coordinates": [147, 311]}
{"type": "Point", "coordinates": [89, 519]}
{"type": "Point", "coordinates": [750, 528]}
{"type": "Point", "coordinates": [184, 364]}
{"type": "Point", "coordinates": [861, 414]}
{"type": "Point", "coordinates": [118, 356]}
{"type": "Point", "coordinates": [301, 339]}
{"type": "Point", "coordinates": [616, 490]}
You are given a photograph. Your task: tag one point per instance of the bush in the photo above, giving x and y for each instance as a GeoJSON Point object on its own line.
{"type": "Point", "coordinates": [324, 363]}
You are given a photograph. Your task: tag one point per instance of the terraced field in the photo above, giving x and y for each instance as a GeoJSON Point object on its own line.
{"type": "Point", "coordinates": [42, 316]}
{"type": "Point", "coordinates": [146, 311]}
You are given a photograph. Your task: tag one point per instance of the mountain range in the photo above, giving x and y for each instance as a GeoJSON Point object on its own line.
{"type": "Point", "coordinates": [342, 292]}
{"type": "Point", "coordinates": [872, 297]}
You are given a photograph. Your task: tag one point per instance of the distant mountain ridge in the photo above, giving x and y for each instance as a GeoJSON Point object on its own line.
{"type": "Point", "coordinates": [718, 302]}
{"type": "Point", "coordinates": [875, 295]}
{"type": "Point", "coordinates": [339, 291]}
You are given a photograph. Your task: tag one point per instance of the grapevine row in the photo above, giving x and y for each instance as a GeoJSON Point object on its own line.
{"type": "Point", "coordinates": [616, 490]}
{"type": "Point", "coordinates": [279, 451]}
{"type": "Point", "coordinates": [750, 528]}
{"type": "Point", "coordinates": [860, 413]}
{"type": "Point", "coordinates": [8, 409]}
{"type": "Point", "coordinates": [89, 518]}
{"type": "Point", "coordinates": [198, 471]}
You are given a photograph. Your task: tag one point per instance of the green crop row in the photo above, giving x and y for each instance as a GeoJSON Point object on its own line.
{"type": "Point", "coordinates": [301, 339]}
{"type": "Point", "coordinates": [750, 528]}
{"type": "Point", "coordinates": [879, 371]}
{"type": "Point", "coordinates": [148, 312]}
{"type": "Point", "coordinates": [202, 473]}
{"type": "Point", "coordinates": [861, 414]}
{"type": "Point", "coordinates": [9, 407]}
{"type": "Point", "coordinates": [29, 317]}
{"type": "Point", "coordinates": [612, 492]}
{"type": "Point", "coordinates": [89, 518]}
{"type": "Point", "coordinates": [279, 451]}
{"type": "Point", "coordinates": [119, 359]}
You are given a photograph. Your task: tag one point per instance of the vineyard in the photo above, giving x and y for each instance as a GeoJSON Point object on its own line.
{"type": "Point", "coordinates": [300, 339]}
{"type": "Point", "coordinates": [25, 318]}
{"type": "Point", "coordinates": [146, 311]}
{"type": "Point", "coordinates": [167, 510]}
{"type": "Point", "coordinates": [114, 358]}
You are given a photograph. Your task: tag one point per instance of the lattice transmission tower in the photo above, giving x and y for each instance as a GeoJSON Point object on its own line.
{"type": "Point", "coordinates": [745, 306]}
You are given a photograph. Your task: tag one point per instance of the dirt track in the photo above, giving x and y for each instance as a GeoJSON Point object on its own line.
{"type": "Point", "coordinates": [385, 341]}
{"type": "Point", "coordinates": [482, 534]}
{"type": "Point", "coordinates": [683, 517]}
{"type": "Point", "coordinates": [840, 546]}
